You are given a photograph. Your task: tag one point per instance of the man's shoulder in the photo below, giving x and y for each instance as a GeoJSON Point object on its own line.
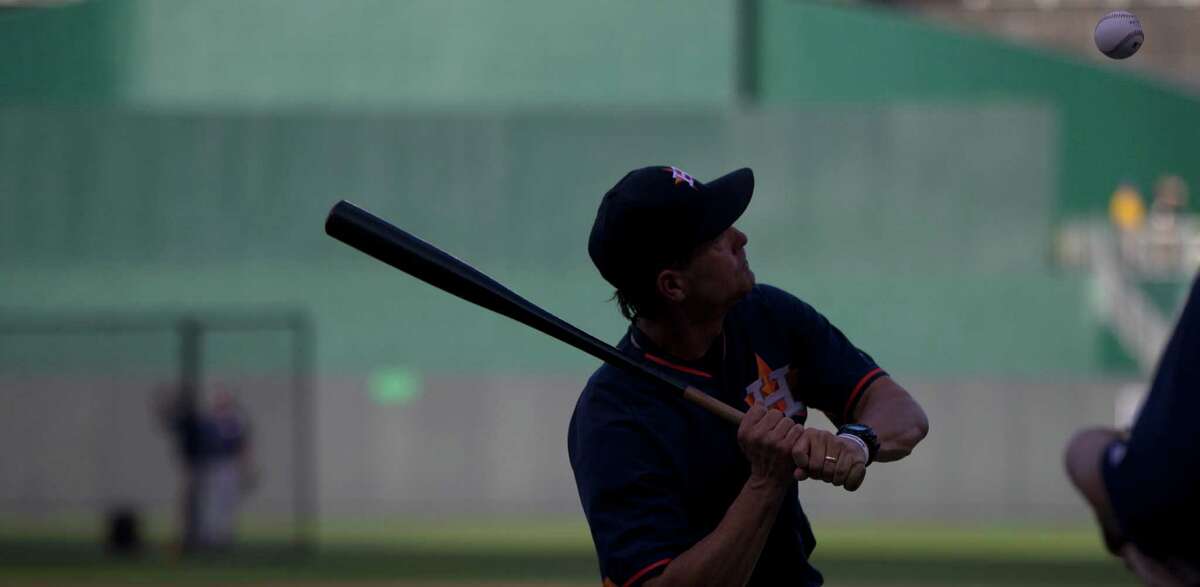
{"type": "Point", "coordinates": [613, 394]}
{"type": "Point", "coordinates": [607, 376]}
{"type": "Point", "coordinates": [610, 389]}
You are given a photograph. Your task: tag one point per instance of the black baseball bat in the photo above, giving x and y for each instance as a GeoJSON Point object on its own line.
{"type": "Point", "coordinates": [380, 239]}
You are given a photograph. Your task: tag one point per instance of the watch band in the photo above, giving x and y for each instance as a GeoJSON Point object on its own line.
{"type": "Point", "coordinates": [865, 437]}
{"type": "Point", "coordinates": [861, 443]}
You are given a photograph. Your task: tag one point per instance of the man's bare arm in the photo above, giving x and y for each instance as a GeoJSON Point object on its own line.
{"type": "Point", "coordinates": [897, 419]}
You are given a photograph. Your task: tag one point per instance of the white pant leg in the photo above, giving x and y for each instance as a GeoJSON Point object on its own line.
{"type": "Point", "coordinates": [222, 489]}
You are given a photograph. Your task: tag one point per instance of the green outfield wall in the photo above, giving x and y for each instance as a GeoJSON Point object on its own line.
{"type": "Point", "coordinates": [855, 210]}
{"type": "Point", "coordinates": [369, 54]}
{"type": "Point", "coordinates": [160, 153]}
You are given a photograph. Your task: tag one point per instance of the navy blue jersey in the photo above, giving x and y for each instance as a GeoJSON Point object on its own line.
{"type": "Point", "coordinates": [1153, 480]}
{"type": "Point", "coordinates": [225, 435]}
{"type": "Point", "coordinates": [204, 437]}
{"type": "Point", "coordinates": [656, 474]}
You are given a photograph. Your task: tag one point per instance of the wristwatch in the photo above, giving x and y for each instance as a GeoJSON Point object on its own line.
{"type": "Point", "coordinates": [866, 435]}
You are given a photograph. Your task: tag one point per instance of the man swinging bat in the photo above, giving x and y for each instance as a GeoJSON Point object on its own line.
{"type": "Point", "coordinates": [673, 495]}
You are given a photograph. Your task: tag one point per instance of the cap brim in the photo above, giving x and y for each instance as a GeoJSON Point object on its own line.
{"type": "Point", "coordinates": [730, 196]}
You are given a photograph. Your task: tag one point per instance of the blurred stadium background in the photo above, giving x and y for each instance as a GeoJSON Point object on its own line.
{"type": "Point", "coordinates": [968, 190]}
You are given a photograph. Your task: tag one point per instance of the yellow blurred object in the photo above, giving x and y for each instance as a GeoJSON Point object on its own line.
{"type": "Point", "coordinates": [1126, 208]}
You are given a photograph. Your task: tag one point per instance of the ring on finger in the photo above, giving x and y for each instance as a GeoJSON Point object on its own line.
{"type": "Point", "coordinates": [831, 459]}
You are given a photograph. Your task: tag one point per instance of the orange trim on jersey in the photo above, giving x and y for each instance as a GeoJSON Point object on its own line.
{"type": "Point", "coordinates": [858, 389]}
{"type": "Point", "coordinates": [642, 572]}
{"type": "Point", "coordinates": [667, 363]}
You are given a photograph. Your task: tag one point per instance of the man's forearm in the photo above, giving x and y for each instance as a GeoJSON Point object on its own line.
{"type": "Point", "coordinates": [728, 554]}
{"type": "Point", "coordinates": [897, 419]}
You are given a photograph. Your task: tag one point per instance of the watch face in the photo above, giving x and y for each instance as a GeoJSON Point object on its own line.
{"type": "Point", "coordinates": [856, 427]}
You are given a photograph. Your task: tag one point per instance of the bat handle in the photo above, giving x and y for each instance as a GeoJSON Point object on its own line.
{"type": "Point", "coordinates": [713, 405]}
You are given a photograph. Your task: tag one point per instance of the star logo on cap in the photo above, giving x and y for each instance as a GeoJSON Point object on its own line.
{"type": "Point", "coordinates": [680, 177]}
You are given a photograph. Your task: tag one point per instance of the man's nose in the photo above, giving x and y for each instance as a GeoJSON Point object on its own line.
{"type": "Point", "coordinates": [740, 238]}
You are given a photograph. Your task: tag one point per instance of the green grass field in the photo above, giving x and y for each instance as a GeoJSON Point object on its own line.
{"type": "Point", "coordinates": [427, 553]}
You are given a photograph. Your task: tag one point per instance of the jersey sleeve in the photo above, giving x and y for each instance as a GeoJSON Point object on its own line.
{"type": "Point", "coordinates": [631, 492]}
{"type": "Point", "coordinates": [832, 372]}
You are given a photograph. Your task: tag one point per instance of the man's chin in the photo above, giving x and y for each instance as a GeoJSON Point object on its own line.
{"type": "Point", "coordinates": [748, 284]}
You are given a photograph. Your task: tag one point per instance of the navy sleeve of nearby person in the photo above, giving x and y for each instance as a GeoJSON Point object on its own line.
{"type": "Point", "coordinates": [833, 373]}
{"type": "Point", "coordinates": [630, 490]}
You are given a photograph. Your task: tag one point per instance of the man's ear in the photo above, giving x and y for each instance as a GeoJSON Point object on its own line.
{"type": "Point", "coordinates": [671, 285]}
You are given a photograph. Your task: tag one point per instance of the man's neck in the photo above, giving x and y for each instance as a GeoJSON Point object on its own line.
{"type": "Point", "coordinates": [682, 336]}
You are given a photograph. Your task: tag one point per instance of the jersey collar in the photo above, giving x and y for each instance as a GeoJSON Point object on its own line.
{"type": "Point", "coordinates": [702, 367]}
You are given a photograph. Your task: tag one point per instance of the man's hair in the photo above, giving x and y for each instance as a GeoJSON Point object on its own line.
{"type": "Point", "coordinates": [635, 303]}
{"type": "Point", "coordinates": [641, 299]}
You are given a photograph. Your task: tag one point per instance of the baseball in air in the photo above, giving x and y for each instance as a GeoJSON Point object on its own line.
{"type": "Point", "coordinates": [1119, 34]}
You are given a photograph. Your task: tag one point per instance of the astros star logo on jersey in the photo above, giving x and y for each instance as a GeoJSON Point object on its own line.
{"type": "Point", "coordinates": [772, 389]}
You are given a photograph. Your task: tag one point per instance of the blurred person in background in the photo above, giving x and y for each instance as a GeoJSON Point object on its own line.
{"type": "Point", "coordinates": [1143, 485]}
{"type": "Point", "coordinates": [228, 470]}
{"type": "Point", "coordinates": [1127, 213]}
{"type": "Point", "coordinates": [1126, 209]}
{"type": "Point", "coordinates": [213, 447]}
{"type": "Point", "coordinates": [1170, 202]}
{"type": "Point", "coordinates": [674, 495]}
{"type": "Point", "coordinates": [1167, 230]}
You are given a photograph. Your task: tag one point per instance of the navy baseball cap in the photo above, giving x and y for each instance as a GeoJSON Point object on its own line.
{"type": "Point", "coordinates": [657, 215]}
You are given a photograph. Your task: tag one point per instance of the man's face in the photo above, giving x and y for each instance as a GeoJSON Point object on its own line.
{"type": "Point", "coordinates": [719, 275]}
{"type": "Point", "coordinates": [223, 402]}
